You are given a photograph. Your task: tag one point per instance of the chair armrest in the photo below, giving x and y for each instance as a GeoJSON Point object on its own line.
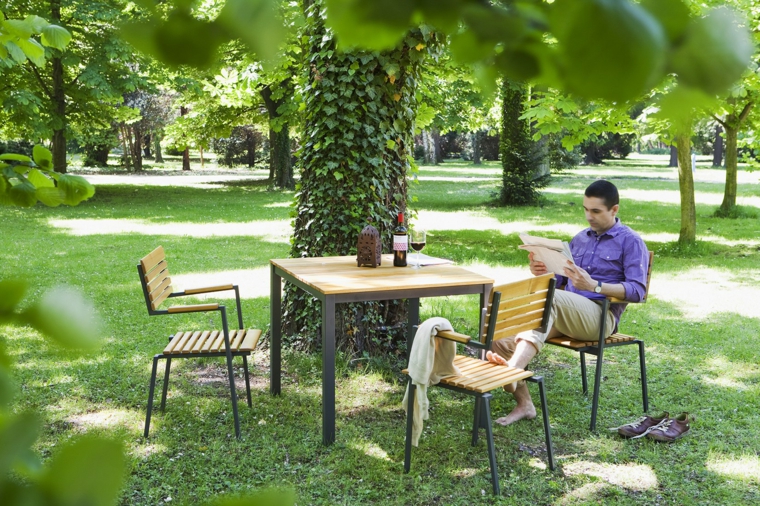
{"type": "Point", "coordinates": [454, 336]}
{"type": "Point", "coordinates": [209, 289]}
{"type": "Point", "coordinates": [193, 308]}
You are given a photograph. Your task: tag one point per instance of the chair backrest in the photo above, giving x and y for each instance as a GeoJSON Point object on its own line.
{"type": "Point", "coordinates": [517, 307]}
{"type": "Point", "coordinates": [154, 276]}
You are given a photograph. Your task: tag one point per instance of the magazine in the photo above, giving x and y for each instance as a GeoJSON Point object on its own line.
{"type": "Point", "coordinates": [411, 259]}
{"type": "Point", "coordinates": [552, 252]}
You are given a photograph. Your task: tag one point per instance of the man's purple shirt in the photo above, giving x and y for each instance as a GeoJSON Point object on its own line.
{"type": "Point", "coordinates": [617, 256]}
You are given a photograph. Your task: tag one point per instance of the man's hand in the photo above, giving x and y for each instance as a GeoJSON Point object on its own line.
{"type": "Point", "coordinates": [537, 268]}
{"type": "Point", "coordinates": [580, 278]}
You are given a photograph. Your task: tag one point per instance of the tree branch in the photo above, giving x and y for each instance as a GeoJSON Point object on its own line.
{"type": "Point", "coordinates": [723, 123]}
{"type": "Point", "coordinates": [745, 111]}
{"type": "Point", "coordinates": [44, 87]}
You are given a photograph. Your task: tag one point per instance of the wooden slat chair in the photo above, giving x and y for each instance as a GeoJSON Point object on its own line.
{"type": "Point", "coordinates": [513, 308]}
{"type": "Point", "coordinates": [597, 348]}
{"type": "Point", "coordinates": [157, 287]}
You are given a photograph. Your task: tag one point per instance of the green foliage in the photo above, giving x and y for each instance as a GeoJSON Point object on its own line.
{"type": "Point", "coordinates": [24, 181]}
{"type": "Point", "coordinates": [522, 158]}
{"type": "Point", "coordinates": [184, 39]}
{"type": "Point", "coordinates": [18, 40]}
{"type": "Point", "coordinates": [611, 49]}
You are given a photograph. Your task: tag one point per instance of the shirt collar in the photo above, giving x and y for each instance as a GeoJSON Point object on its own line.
{"type": "Point", "coordinates": [612, 232]}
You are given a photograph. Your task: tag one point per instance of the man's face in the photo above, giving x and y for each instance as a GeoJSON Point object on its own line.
{"type": "Point", "coordinates": [598, 216]}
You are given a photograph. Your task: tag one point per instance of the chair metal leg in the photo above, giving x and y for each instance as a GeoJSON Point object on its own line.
{"type": "Point", "coordinates": [150, 394]}
{"type": "Point", "coordinates": [491, 447]}
{"type": "Point", "coordinates": [476, 420]}
{"type": "Point", "coordinates": [584, 383]}
{"type": "Point", "coordinates": [643, 365]}
{"type": "Point", "coordinates": [409, 420]}
{"type": "Point", "coordinates": [545, 415]}
{"type": "Point", "coordinates": [230, 373]}
{"type": "Point", "coordinates": [597, 386]}
{"type": "Point", "coordinates": [166, 382]}
{"type": "Point", "coordinates": [247, 381]}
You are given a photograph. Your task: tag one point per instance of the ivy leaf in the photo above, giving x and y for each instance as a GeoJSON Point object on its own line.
{"type": "Point", "coordinates": [338, 175]}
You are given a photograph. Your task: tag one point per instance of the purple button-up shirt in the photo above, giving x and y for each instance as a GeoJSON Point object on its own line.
{"type": "Point", "coordinates": [617, 256]}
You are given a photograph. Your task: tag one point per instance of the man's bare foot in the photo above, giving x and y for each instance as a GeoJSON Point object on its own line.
{"type": "Point", "coordinates": [495, 358]}
{"type": "Point", "coordinates": [527, 412]}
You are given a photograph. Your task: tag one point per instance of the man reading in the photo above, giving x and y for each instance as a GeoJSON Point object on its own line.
{"type": "Point", "coordinates": [610, 260]}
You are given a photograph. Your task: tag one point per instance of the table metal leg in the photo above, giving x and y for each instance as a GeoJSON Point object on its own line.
{"type": "Point", "coordinates": [328, 370]}
{"type": "Point", "coordinates": [275, 329]}
{"type": "Point", "coordinates": [414, 319]}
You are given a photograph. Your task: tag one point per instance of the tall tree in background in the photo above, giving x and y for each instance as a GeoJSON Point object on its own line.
{"type": "Point", "coordinates": [82, 85]}
{"type": "Point", "coordinates": [522, 159]}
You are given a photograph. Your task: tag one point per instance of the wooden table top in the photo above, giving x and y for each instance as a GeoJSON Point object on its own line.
{"type": "Point", "coordinates": [340, 275]}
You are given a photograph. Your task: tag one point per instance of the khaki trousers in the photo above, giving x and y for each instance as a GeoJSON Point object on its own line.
{"type": "Point", "coordinates": [571, 314]}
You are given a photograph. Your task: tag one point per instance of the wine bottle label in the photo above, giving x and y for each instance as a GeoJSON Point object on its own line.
{"type": "Point", "coordinates": [400, 242]}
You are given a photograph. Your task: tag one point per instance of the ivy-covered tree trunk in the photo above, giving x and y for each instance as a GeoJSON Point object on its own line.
{"type": "Point", "coordinates": [357, 141]}
{"type": "Point", "coordinates": [280, 168]}
{"type": "Point", "coordinates": [521, 157]}
{"type": "Point", "coordinates": [718, 147]}
{"type": "Point", "coordinates": [688, 233]}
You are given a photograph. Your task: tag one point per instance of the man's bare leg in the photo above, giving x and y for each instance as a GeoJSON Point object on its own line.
{"type": "Point", "coordinates": [524, 352]}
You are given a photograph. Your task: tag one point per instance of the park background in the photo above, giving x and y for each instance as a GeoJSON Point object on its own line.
{"type": "Point", "coordinates": [222, 164]}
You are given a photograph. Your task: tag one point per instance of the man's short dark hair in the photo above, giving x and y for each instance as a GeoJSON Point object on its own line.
{"type": "Point", "coordinates": [604, 190]}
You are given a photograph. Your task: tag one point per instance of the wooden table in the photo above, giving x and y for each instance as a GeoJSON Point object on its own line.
{"type": "Point", "coordinates": [336, 280]}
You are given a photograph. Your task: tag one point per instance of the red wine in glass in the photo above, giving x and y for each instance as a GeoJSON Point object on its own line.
{"type": "Point", "coordinates": [417, 242]}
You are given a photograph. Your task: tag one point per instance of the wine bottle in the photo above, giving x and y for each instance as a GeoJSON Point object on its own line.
{"type": "Point", "coordinates": [400, 243]}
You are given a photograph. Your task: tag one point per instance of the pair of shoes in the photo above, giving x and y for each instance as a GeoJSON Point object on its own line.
{"type": "Point", "coordinates": [642, 426]}
{"type": "Point", "coordinates": [660, 428]}
{"type": "Point", "coordinates": [671, 429]}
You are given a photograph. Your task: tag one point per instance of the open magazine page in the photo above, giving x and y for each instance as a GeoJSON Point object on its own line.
{"type": "Point", "coordinates": [552, 252]}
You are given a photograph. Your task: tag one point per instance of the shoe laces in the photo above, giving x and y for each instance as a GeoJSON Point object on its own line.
{"type": "Point", "coordinates": [633, 424]}
{"type": "Point", "coordinates": [663, 426]}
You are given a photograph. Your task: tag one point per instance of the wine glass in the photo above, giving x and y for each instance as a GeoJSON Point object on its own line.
{"type": "Point", "coordinates": [418, 242]}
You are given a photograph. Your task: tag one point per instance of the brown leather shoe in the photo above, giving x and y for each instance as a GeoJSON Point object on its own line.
{"type": "Point", "coordinates": [640, 427]}
{"type": "Point", "coordinates": [671, 429]}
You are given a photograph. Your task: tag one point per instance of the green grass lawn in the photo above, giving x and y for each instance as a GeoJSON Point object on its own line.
{"type": "Point", "coordinates": [701, 327]}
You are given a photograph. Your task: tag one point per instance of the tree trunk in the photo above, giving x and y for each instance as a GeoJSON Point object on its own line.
{"type": "Point", "coordinates": [476, 136]}
{"type": "Point", "coordinates": [146, 146]}
{"type": "Point", "coordinates": [354, 165]}
{"type": "Point", "coordinates": [280, 168]}
{"type": "Point", "coordinates": [186, 152]}
{"type": "Point", "coordinates": [250, 137]}
{"type": "Point", "coordinates": [125, 146]}
{"type": "Point", "coordinates": [157, 148]}
{"type": "Point", "coordinates": [688, 233]}
{"type": "Point", "coordinates": [137, 148]}
{"type": "Point", "coordinates": [59, 118]}
{"type": "Point", "coordinates": [428, 148]}
{"type": "Point", "coordinates": [437, 146]}
{"type": "Point", "coordinates": [673, 156]}
{"type": "Point", "coordinates": [732, 160]}
{"type": "Point", "coordinates": [200, 149]}
{"type": "Point", "coordinates": [718, 147]}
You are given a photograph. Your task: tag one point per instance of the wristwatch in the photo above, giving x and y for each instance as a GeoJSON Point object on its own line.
{"type": "Point", "coordinates": [598, 287]}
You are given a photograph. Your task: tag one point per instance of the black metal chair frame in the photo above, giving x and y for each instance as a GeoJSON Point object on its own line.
{"type": "Point", "coordinates": [482, 408]}
{"type": "Point", "coordinates": [228, 353]}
